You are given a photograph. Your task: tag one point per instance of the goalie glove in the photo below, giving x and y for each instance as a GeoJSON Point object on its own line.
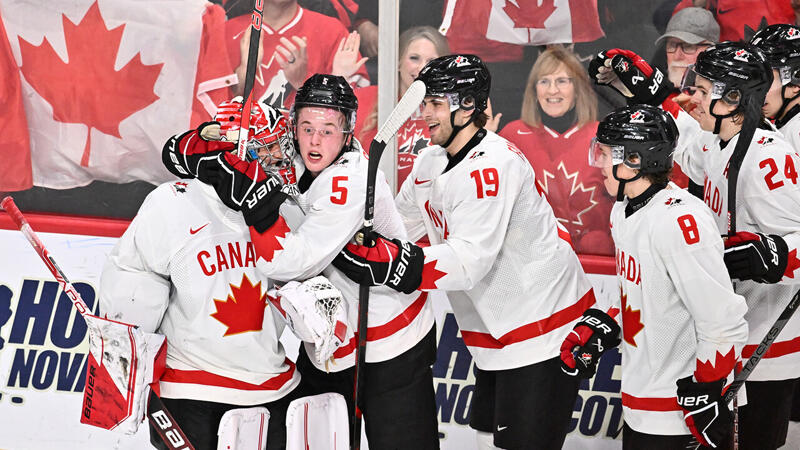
{"type": "Point", "coordinates": [594, 334]}
{"type": "Point", "coordinates": [756, 256]}
{"type": "Point", "coordinates": [244, 187]}
{"type": "Point", "coordinates": [182, 154]}
{"type": "Point", "coordinates": [390, 262]}
{"type": "Point", "coordinates": [707, 417]}
{"type": "Point", "coordinates": [316, 312]}
{"type": "Point", "coordinates": [631, 76]}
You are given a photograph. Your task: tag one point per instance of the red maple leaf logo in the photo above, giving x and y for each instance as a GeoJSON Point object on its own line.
{"type": "Point", "coordinates": [430, 275]}
{"type": "Point", "coordinates": [87, 89]}
{"type": "Point", "coordinates": [792, 264]}
{"type": "Point", "coordinates": [711, 371]}
{"type": "Point", "coordinates": [631, 321]}
{"type": "Point", "coordinates": [266, 243]}
{"type": "Point", "coordinates": [567, 195]}
{"type": "Point", "coordinates": [243, 310]}
{"type": "Point", "coordinates": [528, 14]}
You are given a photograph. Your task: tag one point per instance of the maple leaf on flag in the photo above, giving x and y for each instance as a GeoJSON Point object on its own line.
{"type": "Point", "coordinates": [86, 89]}
{"type": "Point", "coordinates": [243, 310]}
{"type": "Point", "coordinates": [528, 14]}
{"type": "Point", "coordinates": [631, 321]}
{"type": "Point", "coordinates": [709, 371]}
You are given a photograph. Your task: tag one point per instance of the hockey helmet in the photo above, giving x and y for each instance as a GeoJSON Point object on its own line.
{"type": "Point", "coordinates": [781, 46]}
{"type": "Point", "coordinates": [642, 137]}
{"type": "Point", "coordinates": [460, 78]}
{"type": "Point", "coordinates": [327, 91]}
{"type": "Point", "coordinates": [267, 126]}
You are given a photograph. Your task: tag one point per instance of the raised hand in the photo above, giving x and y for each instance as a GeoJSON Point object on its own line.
{"type": "Point", "coordinates": [346, 62]}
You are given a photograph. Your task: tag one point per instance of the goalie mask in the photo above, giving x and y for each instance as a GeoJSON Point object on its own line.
{"type": "Point", "coordinates": [739, 75]}
{"type": "Point", "coordinates": [642, 137]}
{"type": "Point", "coordinates": [781, 46]}
{"type": "Point", "coordinates": [463, 80]}
{"type": "Point", "coordinates": [268, 140]}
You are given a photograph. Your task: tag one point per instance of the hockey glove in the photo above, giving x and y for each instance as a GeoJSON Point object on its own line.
{"type": "Point", "coordinates": [756, 256]}
{"type": "Point", "coordinates": [182, 154]}
{"type": "Point", "coordinates": [631, 75]}
{"type": "Point", "coordinates": [708, 418]}
{"type": "Point", "coordinates": [243, 186]}
{"type": "Point", "coordinates": [390, 262]}
{"type": "Point", "coordinates": [594, 334]}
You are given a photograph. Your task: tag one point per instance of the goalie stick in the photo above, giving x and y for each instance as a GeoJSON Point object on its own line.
{"type": "Point", "coordinates": [405, 107]}
{"type": "Point", "coordinates": [250, 77]}
{"type": "Point", "coordinates": [169, 431]}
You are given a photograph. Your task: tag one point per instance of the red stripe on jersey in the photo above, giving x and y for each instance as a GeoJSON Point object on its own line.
{"type": "Point", "coordinates": [534, 329]}
{"type": "Point", "coordinates": [775, 350]}
{"type": "Point", "coordinates": [564, 234]}
{"type": "Point", "coordinates": [651, 403]}
{"type": "Point", "coordinates": [391, 327]}
{"type": "Point", "coordinates": [210, 379]}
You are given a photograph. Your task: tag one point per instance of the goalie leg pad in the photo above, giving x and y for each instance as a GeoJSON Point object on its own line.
{"type": "Point", "coordinates": [123, 362]}
{"type": "Point", "coordinates": [317, 421]}
{"type": "Point", "coordinates": [243, 429]}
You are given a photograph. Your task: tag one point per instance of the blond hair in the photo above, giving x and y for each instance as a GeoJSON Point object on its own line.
{"type": "Point", "coordinates": [548, 62]}
{"type": "Point", "coordinates": [406, 38]}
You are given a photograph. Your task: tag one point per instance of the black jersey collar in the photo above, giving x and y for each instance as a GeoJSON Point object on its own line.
{"type": "Point", "coordinates": [455, 159]}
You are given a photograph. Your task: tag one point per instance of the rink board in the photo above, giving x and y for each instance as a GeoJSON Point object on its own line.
{"type": "Point", "coordinates": [43, 347]}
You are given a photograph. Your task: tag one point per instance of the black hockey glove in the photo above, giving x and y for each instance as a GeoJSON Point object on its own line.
{"type": "Point", "coordinates": [244, 187]}
{"type": "Point", "coordinates": [594, 334]}
{"type": "Point", "coordinates": [183, 153]}
{"type": "Point", "coordinates": [708, 418]}
{"type": "Point", "coordinates": [644, 83]}
{"type": "Point", "coordinates": [756, 256]}
{"type": "Point", "coordinates": [390, 262]}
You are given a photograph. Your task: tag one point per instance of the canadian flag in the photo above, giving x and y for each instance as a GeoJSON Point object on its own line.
{"type": "Point", "coordinates": [104, 83]}
{"type": "Point", "coordinates": [539, 22]}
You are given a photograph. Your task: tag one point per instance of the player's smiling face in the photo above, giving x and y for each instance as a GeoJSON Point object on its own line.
{"type": "Point", "coordinates": [436, 113]}
{"type": "Point", "coordinates": [320, 135]}
{"type": "Point", "coordinates": [701, 99]}
{"type": "Point", "coordinates": [555, 92]}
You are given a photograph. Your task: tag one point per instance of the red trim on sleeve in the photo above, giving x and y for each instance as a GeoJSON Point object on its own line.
{"type": "Point", "coordinates": [534, 329]}
{"type": "Point", "coordinates": [651, 403]}
{"type": "Point", "coordinates": [775, 350]}
{"type": "Point", "coordinates": [209, 379]}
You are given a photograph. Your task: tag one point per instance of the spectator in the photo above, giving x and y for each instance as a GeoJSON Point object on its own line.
{"type": "Point", "coordinates": [738, 19]}
{"type": "Point", "coordinates": [417, 47]}
{"type": "Point", "coordinates": [295, 42]}
{"type": "Point", "coordinates": [689, 31]}
{"type": "Point", "coordinates": [559, 119]}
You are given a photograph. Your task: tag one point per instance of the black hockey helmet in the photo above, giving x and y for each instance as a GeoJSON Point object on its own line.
{"type": "Point", "coordinates": [781, 45]}
{"type": "Point", "coordinates": [738, 72]}
{"type": "Point", "coordinates": [642, 137]}
{"type": "Point", "coordinates": [466, 76]}
{"type": "Point", "coordinates": [327, 91]}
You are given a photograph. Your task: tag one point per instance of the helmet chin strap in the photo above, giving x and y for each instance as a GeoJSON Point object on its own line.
{"type": "Point", "coordinates": [622, 181]}
{"type": "Point", "coordinates": [719, 117]}
{"type": "Point", "coordinates": [455, 127]}
{"type": "Point", "coordinates": [785, 102]}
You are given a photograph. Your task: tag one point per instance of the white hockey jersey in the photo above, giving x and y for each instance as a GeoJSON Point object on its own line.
{"type": "Point", "coordinates": [767, 201]}
{"type": "Point", "coordinates": [185, 268]}
{"type": "Point", "coordinates": [302, 245]}
{"type": "Point", "coordinates": [514, 282]}
{"type": "Point", "coordinates": [679, 314]}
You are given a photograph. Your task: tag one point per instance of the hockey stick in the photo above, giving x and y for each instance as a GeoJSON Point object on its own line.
{"type": "Point", "coordinates": [405, 107]}
{"type": "Point", "coordinates": [250, 77]}
{"type": "Point", "coordinates": [176, 439]}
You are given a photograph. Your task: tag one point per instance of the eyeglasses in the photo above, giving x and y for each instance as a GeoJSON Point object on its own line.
{"type": "Point", "coordinates": [686, 48]}
{"type": "Point", "coordinates": [561, 82]}
{"type": "Point", "coordinates": [324, 133]}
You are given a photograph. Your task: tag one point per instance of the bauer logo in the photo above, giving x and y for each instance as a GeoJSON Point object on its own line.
{"type": "Point", "coordinates": [42, 337]}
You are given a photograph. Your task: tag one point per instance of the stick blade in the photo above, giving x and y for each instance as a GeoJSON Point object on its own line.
{"type": "Point", "coordinates": [405, 107]}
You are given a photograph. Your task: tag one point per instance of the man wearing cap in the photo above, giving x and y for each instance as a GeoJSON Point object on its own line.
{"type": "Point", "coordinates": [689, 31]}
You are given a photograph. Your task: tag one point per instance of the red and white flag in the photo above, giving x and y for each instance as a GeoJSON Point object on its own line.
{"type": "Point", "coordinates": [14, 142]}
{"type": "Point", "coordinates": [539, 22]}
{"type": "Point", "coordinates": [104, 83]}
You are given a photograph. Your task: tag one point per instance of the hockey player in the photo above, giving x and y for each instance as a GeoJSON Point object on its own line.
{"type": "Point", "coordinates": [512, 278]}
{"type": "Point", "coordinates": [680, 319]}
{"type": "Point", "coordinates": [728, 84]}
{"type": "Point", "coordinates": [186, 268]}
{"type": "Point", "coordinates": [298, 240]}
